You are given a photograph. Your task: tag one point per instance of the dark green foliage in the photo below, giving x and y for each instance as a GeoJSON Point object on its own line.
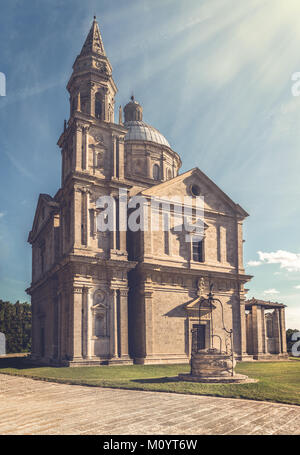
{"type": "Point", "coordinates": [15, 323]}
{"type": "Point", "coordinates": [289, 341]}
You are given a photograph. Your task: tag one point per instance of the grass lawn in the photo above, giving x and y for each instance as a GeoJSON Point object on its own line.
{"type": "Point", "coordinates": [278, 381]}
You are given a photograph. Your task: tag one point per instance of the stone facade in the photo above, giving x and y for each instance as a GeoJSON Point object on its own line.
{"type": "Point", "coordinates": [123, 297]}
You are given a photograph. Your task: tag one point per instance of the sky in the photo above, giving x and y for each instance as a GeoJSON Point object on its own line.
{"type": "Point", "coordinates": [214, 76]}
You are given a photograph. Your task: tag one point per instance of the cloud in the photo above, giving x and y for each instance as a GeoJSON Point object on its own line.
{"type": "Point", "coordinates": [1, 214]}
{"type": "Point", "coordinates": [287, 260]}
{"type": "Point", "coordinates": [292, 318]}
{"type": "Point", "coordinates": [271, 292]}
{"type": "Point", "coordinates": [297, 287]}
{"type": "Point", "coordinates": [254, 263]}
{"type": "Point", "coordinates": [20, 167]}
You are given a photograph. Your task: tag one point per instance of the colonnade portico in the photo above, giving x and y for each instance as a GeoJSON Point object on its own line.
{"type": "Point", "coordinates": [266, 332]}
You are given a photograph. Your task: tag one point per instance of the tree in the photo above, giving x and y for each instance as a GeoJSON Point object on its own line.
{"type": "Point", "coordinates": [15, 323]}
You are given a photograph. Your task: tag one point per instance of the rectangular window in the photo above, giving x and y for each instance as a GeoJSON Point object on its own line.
{"type": "Point", "coordinates": [166, 242]}
{"type": "Point", "coordinates": [92, 222]}
{"type": "Point", "coordinates": [197, 248]}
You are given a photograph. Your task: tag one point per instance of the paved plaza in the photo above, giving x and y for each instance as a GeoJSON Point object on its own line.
{"type": "Point", "coordinates": [32, 407]}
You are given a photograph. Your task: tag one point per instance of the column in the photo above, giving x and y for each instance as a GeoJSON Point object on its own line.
{"type": "Point", "coordinates": [283, 330]}
{"type": "Point", "coordinates": [78, 147]}
{"type": "Point", "coordinates": [84, 218]}
{"type": "Point", "coordinates": [256, 330]}
{"type": "Point", "coordinates": [264, 331]}
{"type": "Point", "coordinates": [148, 305]}
{"type": "Point", "coordinates": [85, 149]}
{"type": "Point", "coordinates": [146, 245]}
{"type": "Point", "coordinates": [113, 233]}
{"type": "Point", "coordinates": [123, 323]}
{"type": "Point", "coordinates": [114, 155]}
{"type": "Point", "coordinates": [85, 322]}
{"type": "Point", "coordinates": [162, 167]}
{"type": "Point", "coordinates": [62, 331]}
{"type": "Point", "coordinates": [239, 255]}
{"type": "Point", "coordinates": [105, 107]}
{"type": "Point", "coordinates": [114, 325]}
{"type": "Point", "coordinates": [277, 335]}
{"type": "Point", "coordinates": [77, 323]}
{"type": "Point", "coordinates": [92, 98]}
{"type": "Point", "coordinates": [87, 217]}
{"type": "Point", "coordinates": [76, 217]}
{"type": "Point", "coordinates": [122, 207]}
{"type": "Point", "coordinates": [148, 160]}
{"type": "Point", "coordinates": [188, 336]}
{"type": "Point", "coordinates": [243, 327]}
{"type": "Point", "coordinates": [121, 158]}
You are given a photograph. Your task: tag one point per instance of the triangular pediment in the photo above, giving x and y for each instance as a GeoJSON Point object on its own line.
{"type": "Point", "coordinates": [93, 42]}
{"type": "Point", "coordinates": [182, 185]}
{"type": "Point", "coordinates": [194, 305]}
{"type": "Point", "coordinates": [45, 207]}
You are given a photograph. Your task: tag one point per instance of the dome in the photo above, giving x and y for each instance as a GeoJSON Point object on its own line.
{"type": "Point", "coordinates": [140, 131]}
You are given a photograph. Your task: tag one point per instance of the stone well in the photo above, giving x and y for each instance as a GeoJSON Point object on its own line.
{"type": "Point", "coordinates": [211, 366]}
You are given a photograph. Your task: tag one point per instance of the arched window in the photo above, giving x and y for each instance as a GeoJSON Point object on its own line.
{"type": "Point", "coordinates": [98, 106]}
{"type": "Point", "coordinates": [156, 171]}
{"type": "Point", "coordinates": [169, 174]}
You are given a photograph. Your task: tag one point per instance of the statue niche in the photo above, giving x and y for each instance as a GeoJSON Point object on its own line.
{"type": "Point", "coordinates": [100, 315]}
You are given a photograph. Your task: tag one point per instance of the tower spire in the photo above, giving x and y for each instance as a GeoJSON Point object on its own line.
{"type": "Point", "coordinates": [91, 86]}
{"type": "Point", "coordinates": [93, 43]}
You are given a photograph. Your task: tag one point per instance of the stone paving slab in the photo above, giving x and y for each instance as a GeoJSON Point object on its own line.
{"type": "Point", "coordinates": [32, 407]}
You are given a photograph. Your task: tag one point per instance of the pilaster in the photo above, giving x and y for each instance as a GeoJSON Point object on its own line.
{"type": "Point", "coordinates": [257, 330]}
{"type": "Point", "coordinates": [283, 331]}
{"type": "Point", "coordinates": [148, 305]}
{"type": "Point", "coordinates": [123, 323]}
{"type": "Point", "coordinates": [77, 310]}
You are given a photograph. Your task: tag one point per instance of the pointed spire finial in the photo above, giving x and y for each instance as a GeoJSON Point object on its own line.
{"type": "Point", "coordinates": [132, 97]}
{"type": "Point", "coordinates": [93, 42]}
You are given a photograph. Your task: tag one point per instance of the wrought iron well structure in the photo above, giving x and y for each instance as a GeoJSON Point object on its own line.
{"type": "Point", "coordinates": [209, 302]}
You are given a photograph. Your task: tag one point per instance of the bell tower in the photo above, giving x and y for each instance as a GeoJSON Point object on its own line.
{"type": "Point", "coordinates": [91, 87]}
{"type": "Point", "coordinates": [92, 143]}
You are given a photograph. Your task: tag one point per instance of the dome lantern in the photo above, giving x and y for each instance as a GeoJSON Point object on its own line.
{"type": "Point", "coordinates": [133, 111]}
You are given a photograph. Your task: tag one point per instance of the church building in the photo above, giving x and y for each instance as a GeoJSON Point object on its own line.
{"type": "Point", "coordinates": [132, 296]}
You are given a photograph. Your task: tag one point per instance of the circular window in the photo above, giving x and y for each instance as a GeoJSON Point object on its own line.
{"type": "Point", "coordinates": [195, 190]}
